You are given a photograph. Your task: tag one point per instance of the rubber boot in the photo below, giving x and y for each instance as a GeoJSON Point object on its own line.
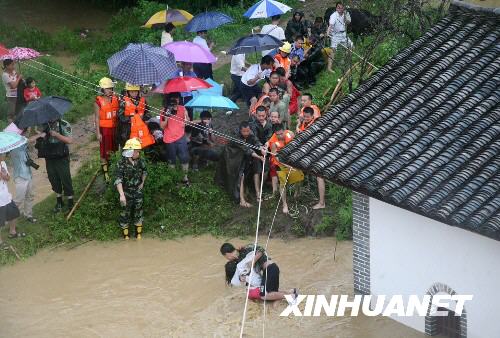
{"type": "Point", "coordinates": [138, 231]}
{"type": "Point", "coordinates": [125, 233]}
{"type": "Point", "coordinates": [70, 203]}
{"type": "Point", "coordinates": [59, 205]}
{"type": "Point", "coordinates": [105, 172]}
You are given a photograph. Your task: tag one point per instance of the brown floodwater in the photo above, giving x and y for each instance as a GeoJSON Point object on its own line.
{"type": "Point", "coordinates": [158, 288]}
{"type": "Point", "coordinates": [52, 15]}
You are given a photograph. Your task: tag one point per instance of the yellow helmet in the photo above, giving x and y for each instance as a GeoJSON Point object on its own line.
{"type": "Point", "coordinates": [106, 82]}
{"type": "Point", "coordinates": [286, 48]}
{"type": "Point", "coordinates": [133, 144]}
{"type": "Point", "coordinates": [129, 86]}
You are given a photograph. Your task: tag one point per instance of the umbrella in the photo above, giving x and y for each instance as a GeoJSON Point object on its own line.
{"type": "Point", "coordinates": [266, 9]}
{"type": "Point", "coordinates": [185, 51]}
{"type": "Point", "coordinates": [21, 53]}
{"type": "Point", "coordinates": [185, 84]}
{"type": "Point", "coordinates": [254, 43]}
{"type": "Point", "coordinates": [44, 110]}
{"type": "Point", "coordinates": [215, 89]}
{"type": "Point", "coordinates": [142, 63]}
{"type": "Point", "coordinates": [208, 20]}
{"type": "Point", "coordinates": [211, 101]}
{"type": "Point", "coordinates": [10, 141]}
{"type": "Point", "coordinates": [175, 16]}
{"type": "Point", "coordinates": [4, 50]}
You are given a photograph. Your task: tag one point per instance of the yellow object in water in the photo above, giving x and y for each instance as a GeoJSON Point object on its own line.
{"type": "Point", "coordinates": [294, 177]}
{"type": "Point", "coordinates": [177, 17]}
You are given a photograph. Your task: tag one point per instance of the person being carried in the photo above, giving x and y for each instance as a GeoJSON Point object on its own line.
{"type": "Point", "coordinates": [269, 288]}
{"type": "Point", "coordinates": [250, 80]}
{"type": "Point", "coordinates": [278, 141]}
{"type": "Point", "coordinates": [202, 142]}
{"type": "Point", "coordinates": [308, 120]}
{"type": "Point", "coordinates": [131, 175]}
{"type": "Point", "coordinates": [31, 92]}
{"type": "Point", "coordinates": [106, 121]}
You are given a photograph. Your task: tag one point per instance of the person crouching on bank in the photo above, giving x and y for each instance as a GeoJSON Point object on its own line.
{"type": "Point", "coordinates": [130, 177]}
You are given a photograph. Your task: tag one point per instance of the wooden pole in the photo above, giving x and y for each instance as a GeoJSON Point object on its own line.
{"type": "Point", "coordinates": [82, 195]}
{"type": "Point", "coordinates": [338, 87]}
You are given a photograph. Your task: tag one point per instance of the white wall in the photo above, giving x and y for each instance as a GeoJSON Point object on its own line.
{"type": "Point", "coordinates": [409, 253]}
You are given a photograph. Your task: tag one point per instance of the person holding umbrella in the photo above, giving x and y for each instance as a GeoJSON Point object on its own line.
{"type": "Point", "coordinates": [166, 35]}
{"type": "Point", "coordinates": [204, 70]}
{"type": "Point", "coordinates": [106, 121]}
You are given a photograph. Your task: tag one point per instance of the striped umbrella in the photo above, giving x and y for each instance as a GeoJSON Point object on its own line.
{"type": "Point", "coordinates": [143, 63]}
{"type": "Point", "coordinates": [266, 9]}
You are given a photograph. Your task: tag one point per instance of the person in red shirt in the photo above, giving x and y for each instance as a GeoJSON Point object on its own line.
{"type": "Point", "coordinates": [308, 120]}
{"type": "Point", "coordinates": [31, 92]}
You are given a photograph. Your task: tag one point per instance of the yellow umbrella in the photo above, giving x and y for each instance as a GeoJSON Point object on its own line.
{"type": "Point", "coordinates": [177, 17]}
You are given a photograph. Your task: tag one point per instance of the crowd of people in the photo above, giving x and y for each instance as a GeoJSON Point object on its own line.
{"type": "Point", "coordinates": [124, 122]}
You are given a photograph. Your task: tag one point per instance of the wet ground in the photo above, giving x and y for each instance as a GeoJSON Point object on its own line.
{"type": "Point", "coordinates": [172, 289]}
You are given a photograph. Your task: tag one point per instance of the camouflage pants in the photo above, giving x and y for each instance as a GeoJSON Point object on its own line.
{"type": "Point", "coordinates": [131, 214]}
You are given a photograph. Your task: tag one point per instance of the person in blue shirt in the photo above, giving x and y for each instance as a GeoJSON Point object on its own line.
{"type": "Point", "coordinates": [298, 48]}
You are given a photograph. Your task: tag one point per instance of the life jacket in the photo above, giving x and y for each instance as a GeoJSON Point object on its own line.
{"type": "Point", "coordinates": [303, 126]}
{"type": "Point", "coordinates": [283, 61]}
{"type": "Point", "coordinates": [132, 109]}
{"type": "Point", "coordinates": [253, 109]}
{"type": "Point", "coordinates": [279, 144]}
{"type": "Point", "coordinates": [140, 130]}
{"type": "Point", "coordinates": [108, 111]}
{"type": "Point", "coordinates": [317, 111]}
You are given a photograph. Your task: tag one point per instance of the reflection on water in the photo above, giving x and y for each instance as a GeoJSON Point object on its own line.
{"type": "Point", "coordinates": [52, 15]}
{"type": "Point", "coordinates": [172, 288]}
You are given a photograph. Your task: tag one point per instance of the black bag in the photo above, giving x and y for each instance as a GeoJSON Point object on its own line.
{"type": "Point", "coordinates": [51, 151]}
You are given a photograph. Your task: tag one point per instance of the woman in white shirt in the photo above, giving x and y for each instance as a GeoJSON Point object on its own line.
{"type": "Point", "coordinates": [166, 35]}
{"type": "Point", "coordinates": [10, 80]}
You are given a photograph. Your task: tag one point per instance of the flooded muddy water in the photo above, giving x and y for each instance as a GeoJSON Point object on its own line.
{"type": "Point", "coordinates": [52, 15]}
{"type": "Point", "coordinates": [158, 288]}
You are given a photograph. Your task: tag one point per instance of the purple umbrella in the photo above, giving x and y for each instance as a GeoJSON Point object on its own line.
{"type": "Point", "coordinates": [185, 51]}
{"type": "Point", "coordinates": [21, 53]}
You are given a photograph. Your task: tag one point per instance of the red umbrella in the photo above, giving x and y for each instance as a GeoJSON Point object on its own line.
{"type": "Point", "coordinates": [4, 50]}
{"type": "Point", "coordinates": [185, 84]}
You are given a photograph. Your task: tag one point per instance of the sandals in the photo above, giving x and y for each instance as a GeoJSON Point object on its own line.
{"type": "Point", "coordinates": [17, 235]}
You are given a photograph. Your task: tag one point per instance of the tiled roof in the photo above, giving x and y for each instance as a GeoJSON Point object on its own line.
{"type": "Point", "coordinates": [423, 133]}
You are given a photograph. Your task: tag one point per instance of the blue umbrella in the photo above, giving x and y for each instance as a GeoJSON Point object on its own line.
{"type": "Point", "coordinates": [142, 63]}
{"type": "Point", "coordinates": [10, 141]}
{"type": "Point", "coordinates": [255, 43]}
{"type": "Point", "coordinates": [266, 9]}
{"type": "Point", "coordinates": [211, 101]}
{"type": "Point", "coordinates": [216, 89]}
{"type": "Point", "coordinates": [43, 110]}
{"type": "Point", "coordinates": [208, 20]}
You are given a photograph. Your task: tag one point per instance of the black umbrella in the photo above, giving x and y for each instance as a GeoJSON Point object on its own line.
{"type": "Point", "coordinates": [255, 43]}
{"type": "Point", "coordinates": [44, 110]}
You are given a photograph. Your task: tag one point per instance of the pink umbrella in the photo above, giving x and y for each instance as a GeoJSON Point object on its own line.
{"type": "Point", "coordinates": [3, 50]}
{"type": "Point", "coordinates": [21, 53]}
{"type": "Point", "coordinates": [185, 51]}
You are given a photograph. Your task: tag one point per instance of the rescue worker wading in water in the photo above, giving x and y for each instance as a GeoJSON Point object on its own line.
{"type": "Point", "coordinates": [106, 121]}
{"type": "Point", "coordinates": [132, 114]}
{"type": "Point", "coordinates": [130, 177]}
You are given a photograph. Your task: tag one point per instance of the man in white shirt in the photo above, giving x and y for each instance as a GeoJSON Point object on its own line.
{"type": "Point", "coordinates": [238, 68]}
{"type": "Point", "coordinates": [250, 79]}
{"type": "Point", "coordinates": [274, 30]}
{"type": "Point", "coordinates": [337, 30]}
{"type": "Point", "coordinates": [203, 70]}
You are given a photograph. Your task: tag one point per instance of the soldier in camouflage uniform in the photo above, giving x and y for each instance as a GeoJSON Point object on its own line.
{"type": "Point", "coordinates": [130, 177]}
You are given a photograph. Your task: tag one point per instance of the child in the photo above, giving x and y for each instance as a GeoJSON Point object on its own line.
{"type": "Point", "coordinates": [130, 177]}
{"type": "Point", "coordinates": [31, 92]}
